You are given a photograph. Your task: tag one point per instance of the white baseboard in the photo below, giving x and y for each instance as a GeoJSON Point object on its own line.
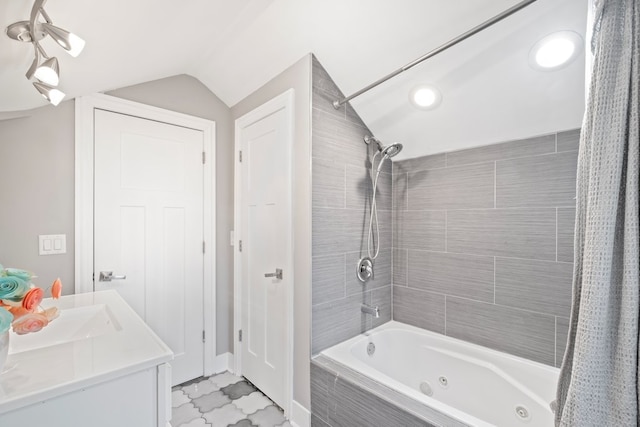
{"type": "Point", "coordinates": [223, 362]}
{"type": "Point", "coordinates": [300, 416]}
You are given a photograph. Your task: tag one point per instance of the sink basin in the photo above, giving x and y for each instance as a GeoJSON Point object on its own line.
{"type": "Point", "coordinates": [73, 324]}
{"type": "Point", "coordinates": [96, 341]}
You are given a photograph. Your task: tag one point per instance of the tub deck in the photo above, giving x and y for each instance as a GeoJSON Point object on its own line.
{"type": "Point", "coordinates": [445, 381]}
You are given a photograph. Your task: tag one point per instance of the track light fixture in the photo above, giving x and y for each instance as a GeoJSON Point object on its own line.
{"type": "Point", "coordinates": [49, 93]}
{"type": "Point", "coordinates": [47, 72]}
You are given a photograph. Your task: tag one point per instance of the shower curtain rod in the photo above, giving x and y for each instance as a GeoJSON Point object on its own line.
{"type": "Point", "coordinates": [338, 103]}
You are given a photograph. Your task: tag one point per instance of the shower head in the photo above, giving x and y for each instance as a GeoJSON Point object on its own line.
{"type": "Point", "coordinates": [391, 149]}
{"type": "Point", "coordinates": [386, 151]}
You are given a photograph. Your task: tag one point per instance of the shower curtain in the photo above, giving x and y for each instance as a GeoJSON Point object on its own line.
{"type": "Point", "coordinates": [599, 384]}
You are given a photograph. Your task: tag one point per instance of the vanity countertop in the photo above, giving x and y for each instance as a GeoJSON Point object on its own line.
{"type": "Point", "coordinates": [96, 338]}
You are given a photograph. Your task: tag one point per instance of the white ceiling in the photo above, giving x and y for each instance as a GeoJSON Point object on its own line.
{"type": "Point", "coordinates": [489, 91]}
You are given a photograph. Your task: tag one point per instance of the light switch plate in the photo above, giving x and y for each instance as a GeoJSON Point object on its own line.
{"type": "Point", "coordinates": [52, 244]}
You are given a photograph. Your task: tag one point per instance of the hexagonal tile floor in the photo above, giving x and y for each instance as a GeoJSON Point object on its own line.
{"type": "Point", "coordinates": [223, 400]}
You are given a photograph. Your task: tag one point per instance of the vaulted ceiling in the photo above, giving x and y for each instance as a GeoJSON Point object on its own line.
{"type": "Point", "coordinates": [490, 93]}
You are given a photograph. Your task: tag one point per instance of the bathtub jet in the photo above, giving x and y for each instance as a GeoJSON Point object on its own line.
{"type": "Point", "coordinates": [448, 378]}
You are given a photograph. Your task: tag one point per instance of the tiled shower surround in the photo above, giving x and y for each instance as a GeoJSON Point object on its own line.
{"type": "Point", "coordinates": [341, 203]}
{"type": "Point", "coordinates": [476, 244]}
{"type": "Point", "coordinates": [483, 244]}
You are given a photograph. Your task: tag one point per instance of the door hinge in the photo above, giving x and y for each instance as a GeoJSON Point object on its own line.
{"type": "Point", "coordinates": [204, 157]}
{"type": "Point", "coordinates": [203, 336]}
{"type": "Point", "coordinates": [240, 335]}
{"type": "Point", "coordinates": [240, 245]}
{"type": "Point", "coordinates": [240, 156]}
{"type": "Point", "coordinates": [203, 247]}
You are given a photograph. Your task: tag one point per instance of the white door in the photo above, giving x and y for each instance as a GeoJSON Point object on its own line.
{"type": "Point", "coordinates": [266, 143]}
{"type": "Point", "coordinates": [148, 226]}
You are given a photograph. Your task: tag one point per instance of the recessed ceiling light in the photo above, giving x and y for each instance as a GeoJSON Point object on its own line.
{"type": "Point", "coordinates": [425, 97]}
{"type": "Point", "coordinates": [555, 50]}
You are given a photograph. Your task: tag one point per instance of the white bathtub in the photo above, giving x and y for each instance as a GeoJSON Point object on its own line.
{"type": "Point", "coordinates": [472, 384]}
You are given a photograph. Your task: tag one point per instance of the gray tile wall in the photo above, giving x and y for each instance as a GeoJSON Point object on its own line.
{"type": "Point", "coordinates": [341, 397]}
{"type": "Point", "coordinates": [483, 244]}
{"type": "Point", "coordinates": [341, 193]}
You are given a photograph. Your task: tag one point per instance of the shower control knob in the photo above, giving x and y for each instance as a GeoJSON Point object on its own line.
{"type": "Point", "coordinates": [364, 270]}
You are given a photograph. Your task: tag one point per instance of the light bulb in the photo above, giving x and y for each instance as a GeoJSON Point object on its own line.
{"type": "Point", "coordinates": [555, 50]}
{"type": "Point", "coordinates": [425, 97]}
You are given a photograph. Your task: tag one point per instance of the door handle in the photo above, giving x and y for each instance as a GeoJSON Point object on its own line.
{"type": "Point", "coordinates": [277, 274]}
{"type": "Point", "coordinates": [107, 276]}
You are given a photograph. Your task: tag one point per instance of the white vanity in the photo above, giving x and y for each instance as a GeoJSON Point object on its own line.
{"type": "Point", "coordinates": [98, 365]}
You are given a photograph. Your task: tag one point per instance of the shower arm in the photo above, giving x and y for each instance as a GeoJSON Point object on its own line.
{"type": "Point", "coordinates": [338, 103]}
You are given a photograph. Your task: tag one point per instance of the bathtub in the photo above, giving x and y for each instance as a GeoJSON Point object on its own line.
{"type": "Point", "coordinates": [474, 385]}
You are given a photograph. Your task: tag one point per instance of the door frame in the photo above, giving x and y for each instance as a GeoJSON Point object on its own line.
{"type": "Point", "coordinates": [84, 196]}
{"type": "Point", "coordinates": [284, 101]}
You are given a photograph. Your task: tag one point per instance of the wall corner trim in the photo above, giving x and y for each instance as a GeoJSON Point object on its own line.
{"type": "Point", "coordinates": [300, 416]}
{"type": "Point", "coordinates": [223, 362]}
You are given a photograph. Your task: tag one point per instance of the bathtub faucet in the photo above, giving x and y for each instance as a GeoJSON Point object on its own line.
{"type": "Point", "coordinates": [374, 311]}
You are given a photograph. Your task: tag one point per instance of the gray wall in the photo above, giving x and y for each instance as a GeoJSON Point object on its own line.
{"type": "Point", "coordinates": [37, 157]}
{"type": "Point", "coordinates": [298, 77]}
{"type": "Point", "coordinates": [341, 205]}
{"type": "Point", "coordinates": [37, 191]}
{"type": "Point", "coordinates": [483, 244]}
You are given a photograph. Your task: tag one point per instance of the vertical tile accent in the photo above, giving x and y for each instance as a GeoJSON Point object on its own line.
{"type": "Point", "coordinates": [562, 332]}
{"type": "Point", "coordinates": [505, 150]}
{"type": "Point", "coordinates": [464, 187]}
{"type": "Point", "coordinates": [540, 286]}
{"type": "Point", "coordinates": [522, 233]}
{"type": "Point", "coordinates": [467, 276]}
{"type": "Point", "coordinates": [518, 332]}
{"type": "Point", "coordinates": [420, 230]}
{"type": "Point", "coordinates": [419, 308]}
{"type": "Point", "coordinates": [566, 226]}
{"type": "Point", "coordinates": [539, 181]}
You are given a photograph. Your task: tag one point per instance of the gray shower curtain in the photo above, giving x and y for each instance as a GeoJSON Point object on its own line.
{"type": "Point", "coordinates": [599, 384]}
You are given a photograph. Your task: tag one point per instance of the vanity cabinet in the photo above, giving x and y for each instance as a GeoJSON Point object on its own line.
{"type": "Point", "coordinates": [97, 365]}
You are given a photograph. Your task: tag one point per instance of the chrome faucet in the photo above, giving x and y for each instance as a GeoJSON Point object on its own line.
{"type": "Point", "coordinates": [374, 311]}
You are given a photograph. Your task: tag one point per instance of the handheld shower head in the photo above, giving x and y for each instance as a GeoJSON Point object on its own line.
{"type": "Point", "coordinates": [391, 149]}
{"type": "Point", "coordinates": [384, 152]}
{"type": "Point", "coordinates": [387, 151]}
